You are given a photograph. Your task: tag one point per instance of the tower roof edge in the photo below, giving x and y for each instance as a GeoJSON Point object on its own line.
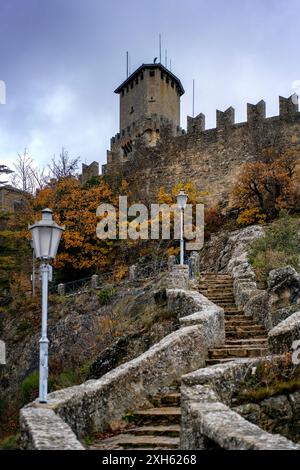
{"type": "Point", "coordinates": [150, 66]}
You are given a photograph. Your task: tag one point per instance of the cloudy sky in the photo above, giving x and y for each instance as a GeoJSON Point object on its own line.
{"type": "Point", "coordinates": [62, 59]}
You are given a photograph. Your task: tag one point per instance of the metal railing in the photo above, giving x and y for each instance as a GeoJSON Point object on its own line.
{"type": "Point", "coordinates": [142, 272]}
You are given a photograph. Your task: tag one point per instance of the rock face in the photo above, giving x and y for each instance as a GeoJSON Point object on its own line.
{"type": "Point", "coordinates": [279, 415]}
{"type": "Point", "coordinates": [284, 286]}
{"type": "Point", "coordinates": [282, 336]}
{"type": "Point", "coordinates": [78, 334]}
{"type": "Point", "coordinates": [279, 301]}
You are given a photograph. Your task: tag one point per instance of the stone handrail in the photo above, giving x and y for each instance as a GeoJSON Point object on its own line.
{"type": "Point", "coordinates": [207, 420]}
{"type": "Point", "coordinates": [96, 405]}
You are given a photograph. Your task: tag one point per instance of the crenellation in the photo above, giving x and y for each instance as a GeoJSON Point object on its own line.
{"type": "Point", "coordinates": [196, 124]}
{"type": "Point", "coordinates": [153, 150]}
{"type": "Point", "coordinates": [256, 112]}
{"type": "Point", "coordinates": [288, 107]}
{"type": "Point", "coordinates": [225, 118]}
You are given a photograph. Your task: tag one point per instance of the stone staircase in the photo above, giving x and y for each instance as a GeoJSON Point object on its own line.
{"type": "Point", "coordinates": [244, 337]}
{"type": "Point", "coordinates": [155, 428]}
{"type": "Point", "coordinates": [159, 427]}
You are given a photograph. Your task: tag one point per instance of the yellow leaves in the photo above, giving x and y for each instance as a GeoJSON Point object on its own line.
{"type": "Point", "coordinates": [264, 187]}
{"type": "Point", "coordinates": [163, 197]}
{"type": "Point", "coordinates": [173, 251]}
{"type": "Point", "coordinates": [120, 272]}
{"type": "Point", "coordinates": [251, 216]}
{"type": "Point", "coordinates": [194, 196]}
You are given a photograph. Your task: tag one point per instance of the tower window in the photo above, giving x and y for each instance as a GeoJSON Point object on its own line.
{"type": "Point", "coordinates": [123, 92]}
{"type": "Point", "coordinates": [136, 80]}
{"type": "Point", "coordinates": [152, 73]}
{"type": "Point", "coordinates": [132, 110]}
{"type": "Point", "coordinates": [127, 89]}
{"type": "Point", "coordinates": [167, 79]}
{"type": "Point", "coordinates": [172, 84]}
{"type": "Point", "coordinates": [142, 76]}
{"type": "Point", "coordinates": [131, 85]}
{"type": "Point", "coordinates": [162, 76]}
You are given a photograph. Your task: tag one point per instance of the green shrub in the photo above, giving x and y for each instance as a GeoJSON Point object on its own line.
{"type": "Point", "coordinates": [105, 296]}
{"type": "Point", "coordinates": [10, 443]}
{"type": "Point", "coordinates": [278, 248]}
{"type": "Point", "coordinates": [30, 387]}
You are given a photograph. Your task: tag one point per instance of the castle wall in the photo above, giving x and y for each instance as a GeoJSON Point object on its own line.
{"type": "Point", "coordinates": [212, 158]}
{"type": "Point", "coordinates": [11, 198]}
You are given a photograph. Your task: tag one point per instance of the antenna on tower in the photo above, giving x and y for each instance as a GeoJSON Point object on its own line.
{"type": "Point", "coordinates": [160, 48]}
{"type": "Point", "coordinates": [193, 98]}
{"type": "Point", "coordinates": [170, 65]}
{"type": "Point", "coordinates": [127, 65]}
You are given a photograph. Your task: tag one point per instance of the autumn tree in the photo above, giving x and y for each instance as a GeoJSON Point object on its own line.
{"type": "Point", "coordinates": [80, 251]}
{"type": "Point", "coordinates": [27, 176]}
{"type": "Point", "coordinates": [266, 186]}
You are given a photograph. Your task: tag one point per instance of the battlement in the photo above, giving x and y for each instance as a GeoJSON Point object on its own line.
{"type": "Point", "coordinates": [89, 171]}
{"type": "Point", "coordinates": [211, 158]}
{"type": "Point", "coordinates": [256, 113]}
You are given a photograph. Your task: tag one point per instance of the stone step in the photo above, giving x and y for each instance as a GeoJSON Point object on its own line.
{"type": "Point", "coordinates": [159, 416]}
{"type": "Point", "coordinates": [247, 342]}
{"type": "Point", "coordinates": [216, 282]}
{"type": "Point", "coordinates": [227, 300]}
{"type": "Point", "coordinates": [217, 295]}
{"type": "Point", "coordinates": [172, 430]}
{"type": "Point", "coordinates": [211, 273]}
{"type": "Point", "coordinates": [245, 327]}
{"type": "Point", "coordinates": [234, 334]}
{"type": "Point", "coordinates": [241, 318]}
{"type": "Point", "coordinates": [212, 362]}
{"type": "Point", "coordinates": [217, 286]}
{"type": "Point", "coordinates": [224, 352]}
{"type": "Point", "coordinates": [232, 313]}
{"type": "Point", "coordinates": [129, 441]}
{"type": "Point", "coordinates": [232, 323]}
{"type": "Point", "coordinates": [171, 399]}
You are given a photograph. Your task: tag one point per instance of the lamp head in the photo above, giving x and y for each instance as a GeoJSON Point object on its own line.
{"type": "Point", "coordinates": [181, 199]}
{"type": "Point", "coordinates": [46, 236]}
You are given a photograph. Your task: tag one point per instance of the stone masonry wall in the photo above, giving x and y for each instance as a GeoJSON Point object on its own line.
{"type": "Point", "coordinates": [210, 158]}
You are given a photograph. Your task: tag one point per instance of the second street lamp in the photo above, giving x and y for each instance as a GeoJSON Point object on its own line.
{"type": "Point", "coordinates": [46, 236]}
{"type": "Point", "coordinates": [181, 199]}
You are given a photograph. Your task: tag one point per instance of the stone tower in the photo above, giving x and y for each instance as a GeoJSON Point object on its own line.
{"type": "Point", "coordinates": [149, 100]}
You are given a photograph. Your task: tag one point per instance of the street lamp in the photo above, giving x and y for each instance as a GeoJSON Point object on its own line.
{"type": "Point", "coordinates": [33, 268]}
{"type": "Point", "coordinates": [45, 237]}
{"type": "Point", "coordinates": [181, 199]}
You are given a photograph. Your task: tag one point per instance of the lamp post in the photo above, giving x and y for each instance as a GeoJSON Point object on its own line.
{"type": "Point", "coordinates": [45, 238]}
{"type": "Point", "coordinates": [181, 199]}
{"type": "Point", "coordinates": [33, 269]}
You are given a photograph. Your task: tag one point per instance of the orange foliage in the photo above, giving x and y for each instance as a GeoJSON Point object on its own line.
{"type": "Point", "coordinates": [75, 207]}
{"type": "Point", "coordinates": [267, 186]}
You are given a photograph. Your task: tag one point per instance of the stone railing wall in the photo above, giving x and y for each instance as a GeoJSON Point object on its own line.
{"type": "Point", "coordinates": [208, 422]}
{"type": "Point", "coordinates": [96, 405]}
{"type": "Point", "coordinates": [283, 337]}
